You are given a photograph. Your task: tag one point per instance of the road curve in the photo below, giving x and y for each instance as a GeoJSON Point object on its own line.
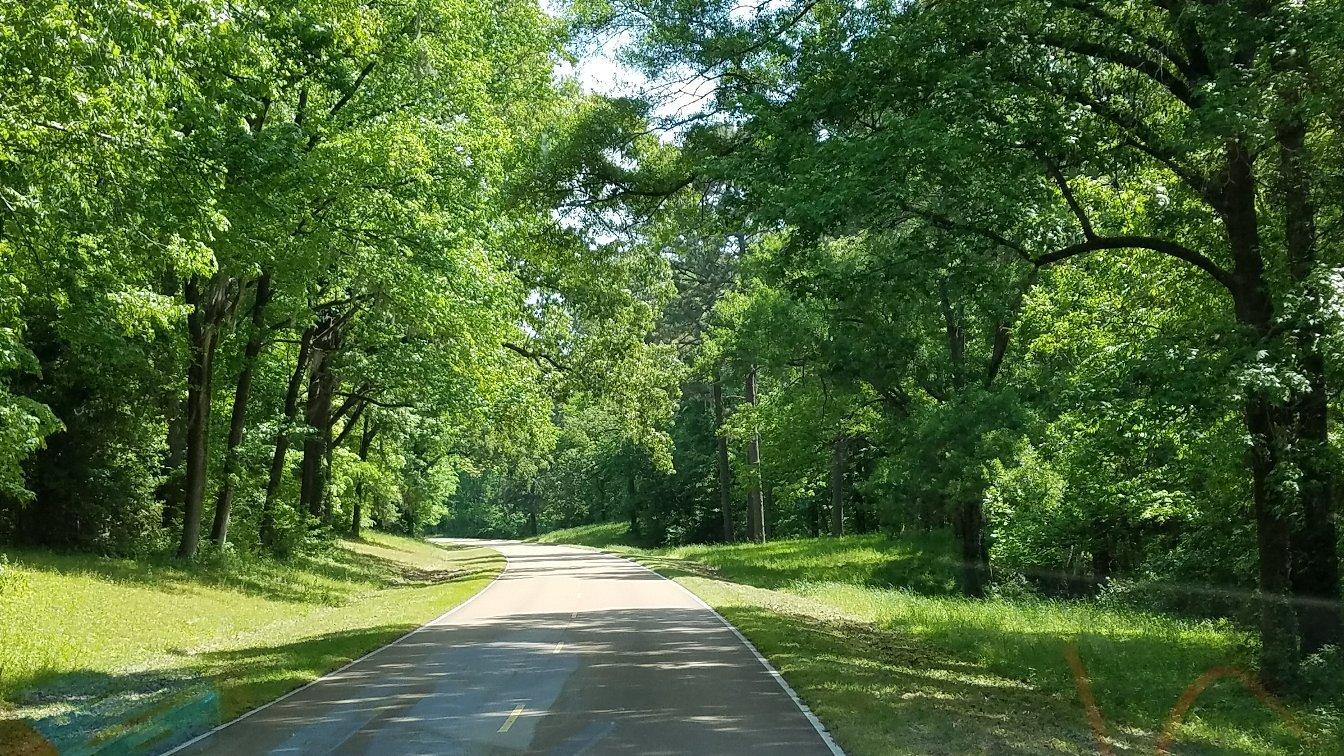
{"type": "Point", "coordinates": [570, 651]}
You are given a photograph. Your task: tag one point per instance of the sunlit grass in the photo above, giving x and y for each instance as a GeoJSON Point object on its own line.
{"type": "Point", "coordinates": [77, 628]}
{"type": "Point", "coordinates": [871, 633]}
{"type": "Point", "coordinates": [600, 535]}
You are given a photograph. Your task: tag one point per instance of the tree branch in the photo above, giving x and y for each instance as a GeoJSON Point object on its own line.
{"type": "Point", "coordinates": [1063, 183]}
{"type": "Point", "coordinates": [1152, 69]}
{"type": "Point", "coordinates": [1169, 248]}
{"type": "Point", "coordinates": [537, 357]}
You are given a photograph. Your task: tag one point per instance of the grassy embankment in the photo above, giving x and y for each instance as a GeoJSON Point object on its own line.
{"type": "Point", "coordinates": [81, 634]}
{"type": "Point", "coordinates": [869, 632]}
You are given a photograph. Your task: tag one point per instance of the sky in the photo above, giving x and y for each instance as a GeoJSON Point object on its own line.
{"type": "Point", "coordinates": [599, 71]}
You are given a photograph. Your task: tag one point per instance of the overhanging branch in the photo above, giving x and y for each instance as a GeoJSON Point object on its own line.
{"type": "Point", "coordinates": [1169, 248]}
{"type": "Point", "coordinates": [537, 357]}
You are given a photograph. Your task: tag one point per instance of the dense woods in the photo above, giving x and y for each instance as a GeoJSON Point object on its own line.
{"type": "Point", "coordinates": [1058, 276]}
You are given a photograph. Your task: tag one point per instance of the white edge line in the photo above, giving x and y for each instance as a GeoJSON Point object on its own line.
{"type": "Point", "coordinates": [779, 678]}
{"type": "Point", "coordinates": [350, 664]}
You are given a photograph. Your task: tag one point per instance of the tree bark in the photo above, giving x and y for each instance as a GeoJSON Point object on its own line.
{"type": "Point", "coordinates": [533, 502]}
{"type": "Point", "coordinates": [1314, 540]}
{"type": "Point", "coordinates": [280, 454]}
{"type": "Point", "coordinates": [755, 502]}
{"type": "Point", "coordinates": [632, 501]}
{"type": "Point", "coordinates": [365, 442]}
{"type": "Point", "coordinates": [201, 341]}
{"type": "Point", "coordinates": [326, 473]}
{"type": "Point", "coordinates": [317, 415]}
{"type": "Point", "coordinates": [1103, 563]}
{"type": "Point", "coordinates": [171, 490]}
{"type": "Point", "coordinates": [839, 450]}
{"type": "Point", "coordinates": [953, 321]}
{"type": "Point", "coordinates": [219, 531]}
{"type": "Point", "coordinates": [721, 462]}
{"type": "Point", "coordinates": [969, 514]}
{"type": "Point", "coordinates": [1267, 423]}
{"type": "Point", "coordinates": [970, 527]}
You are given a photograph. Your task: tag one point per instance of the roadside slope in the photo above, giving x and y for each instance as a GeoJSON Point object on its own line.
{"type": "Point", "coordinates": [98, 648]}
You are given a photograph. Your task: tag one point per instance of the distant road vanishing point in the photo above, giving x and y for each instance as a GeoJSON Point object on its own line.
{"type": "Point", "coordinates": [570, 651]}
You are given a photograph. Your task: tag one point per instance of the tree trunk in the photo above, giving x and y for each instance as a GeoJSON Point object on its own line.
{"type": "Point", "coordinates": [970, 529]}
{"type": "Point", "coordinates": [219, 531]}
{"type": "Point", "coordinates": [317, 415]}
{"type": "Point", "coordinates": [365, 442]}
{"type": "Point", "coordinates": [1103, 564]}
{"type": "Point", "coordinates": [597, 505]}
{"type": "Point", "coordinates": [1267, 423]}
{"type": "Point", "coordinates": [533, 499]}
{"type": "Point", "coordinates": [755, 502]}
{"type": "Point", "coordinates": [278, 458]}
{"type": "Point", "coordinates": [839, 451]}
{"type": "Point", "coordinates": [1314, 540]}
{"type": "Point", "coordinates": [201, 340]}
{"type": "Point", "coordinates": [1278, 625]}
{"type": "Point", "coordinates": [969, 515]}
{"type": "Point", "coordinates": [632, 500]}
{"type": "Point", "coordinates": [721, 462]}
{"type": "Point", "coordinates": [953, 321]}
{"type": "Point", "coordinates": [171, 491]}
{"type": "Point", "coordinates": [409, 503]}
{"type": "Point", "coordinates": [326, 474]}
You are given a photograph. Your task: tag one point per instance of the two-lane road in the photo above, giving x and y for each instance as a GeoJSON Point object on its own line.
{"type": "Point", "coordinates": [570, 651]}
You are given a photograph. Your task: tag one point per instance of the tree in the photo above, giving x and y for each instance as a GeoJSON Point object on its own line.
{"type": "Point", "coordinates": [1024, 132]}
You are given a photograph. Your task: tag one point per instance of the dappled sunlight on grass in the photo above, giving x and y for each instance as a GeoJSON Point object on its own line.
{"type": "Point", "coordinates": [947, 675]}
{"type": "Point", "coordinates": [75, 628]}
{"type": "Point", "coordinates": [600, 535]}
{"type": "Point", "coordinates": [868, 560]}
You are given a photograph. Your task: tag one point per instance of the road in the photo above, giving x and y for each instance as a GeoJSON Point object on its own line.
{"type": "Point", "coordinates": [570, 651]}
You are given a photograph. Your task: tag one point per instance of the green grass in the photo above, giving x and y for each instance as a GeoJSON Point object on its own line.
{"type": "Point", "coordinates": [80, 632]}
{"type": "Point", "coordinates": [869, 632]}
{"type": "Point", "coordinates": [601, 535]}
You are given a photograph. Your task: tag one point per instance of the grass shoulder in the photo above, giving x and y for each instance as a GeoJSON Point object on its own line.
{"type": "Point", "coordinates": [88, 642]}
{"type": "Point", "coordinates": [870, 632]}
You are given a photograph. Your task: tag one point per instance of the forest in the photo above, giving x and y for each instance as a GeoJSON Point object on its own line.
{"type": "Point", "coordinates": [1058, 278]}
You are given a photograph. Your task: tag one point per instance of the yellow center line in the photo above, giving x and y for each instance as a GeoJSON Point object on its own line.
{"type": "Point", "coordinates": [512, 718]}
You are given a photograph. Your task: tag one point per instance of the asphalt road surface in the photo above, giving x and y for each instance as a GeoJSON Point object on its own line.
{"type": "Point", "coordinates": [570, 651]}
